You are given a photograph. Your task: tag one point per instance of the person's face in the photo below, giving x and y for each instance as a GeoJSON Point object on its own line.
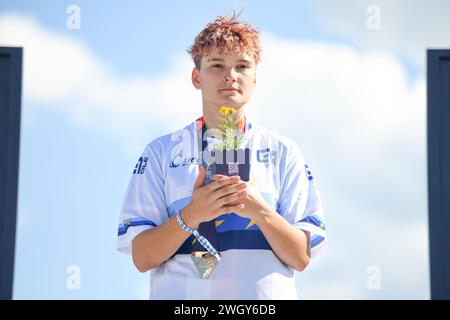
{"type": "Point", "coordinates": [225, 79]}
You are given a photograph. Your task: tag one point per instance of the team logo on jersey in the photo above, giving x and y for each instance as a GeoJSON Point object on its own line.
{"type": "Point", "coordinates": [140, 165]}
{"type": "Point", "coordinates": [308, 173]}
{"type": "Point", "coordinates": [265, 155]}
{"type": "Point", "coordinates": [179, 159]}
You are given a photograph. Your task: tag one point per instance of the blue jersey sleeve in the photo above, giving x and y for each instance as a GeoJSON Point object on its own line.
{"type": "Point", "coordinates": [299, 200]}
{"type": "Point", "coordinates": [144, 205]}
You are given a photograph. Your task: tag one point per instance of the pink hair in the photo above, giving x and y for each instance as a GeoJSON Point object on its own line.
{"type": "Point", "coordinates": [226, 36]}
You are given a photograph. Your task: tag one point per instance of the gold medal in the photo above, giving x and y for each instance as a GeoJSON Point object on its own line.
{"type": "Point", "coordinates": [205, 263]}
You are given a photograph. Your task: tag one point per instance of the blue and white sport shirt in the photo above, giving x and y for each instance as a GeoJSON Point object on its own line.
{"type": "Point", "coordinates": [162, 183]}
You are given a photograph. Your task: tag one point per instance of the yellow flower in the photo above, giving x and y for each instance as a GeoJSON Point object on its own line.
{"type": "Point", "coordinates": [225, 111]}
{"type": "Point", "coordinates": [231, 139]}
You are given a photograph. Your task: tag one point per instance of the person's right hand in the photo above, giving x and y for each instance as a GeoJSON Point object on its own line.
{"type": "Point", "coordinates": [209, 202]}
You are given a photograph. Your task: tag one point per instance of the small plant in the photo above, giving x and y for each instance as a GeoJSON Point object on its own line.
{"type": "Point", "coordinates": [232, 138]}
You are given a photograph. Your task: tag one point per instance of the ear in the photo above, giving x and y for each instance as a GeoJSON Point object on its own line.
{"type": "Point", "coordinates": [196, 78]}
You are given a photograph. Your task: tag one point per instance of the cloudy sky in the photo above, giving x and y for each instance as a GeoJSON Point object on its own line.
{"type": "Point", "coordinates": [345, 80]}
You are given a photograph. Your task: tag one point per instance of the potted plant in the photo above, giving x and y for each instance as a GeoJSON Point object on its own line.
{"type": "Point", "coordinates": [229, 156]}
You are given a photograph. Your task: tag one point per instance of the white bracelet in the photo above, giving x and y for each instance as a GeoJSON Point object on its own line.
{"type": "Point", "coordinates": [203, 241]}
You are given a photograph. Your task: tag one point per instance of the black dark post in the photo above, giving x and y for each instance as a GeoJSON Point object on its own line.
{"type": "Point", "coordinates": [10, 101]}
{"type": "Point", "coordinates": [438, 91]}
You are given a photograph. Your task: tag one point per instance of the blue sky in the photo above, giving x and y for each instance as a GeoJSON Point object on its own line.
{"type": "Point", "coordinates": [120, 32]}
{"type": "Point", "coordinates": [353, 100]}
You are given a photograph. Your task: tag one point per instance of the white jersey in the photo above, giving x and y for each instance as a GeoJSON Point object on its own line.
{"type": "Point", "coordinates": [162, 183]}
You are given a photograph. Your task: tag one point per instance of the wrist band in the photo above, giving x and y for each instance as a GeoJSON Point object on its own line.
{"type": "Point", "coordinates": [203, 241]}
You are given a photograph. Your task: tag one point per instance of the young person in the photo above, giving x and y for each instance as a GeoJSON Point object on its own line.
{"type": "Point", "coordinates": [264, 229]}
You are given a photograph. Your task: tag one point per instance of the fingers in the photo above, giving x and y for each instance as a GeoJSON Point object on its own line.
{"type": "Point", "coordinates": [224, 191]}
{"type": "Point", "coordinates": [230, 209]}
{"type": "Point", "coordinates": [221, 182]}
{"type": "Point", "coordinates": [220, 176]}
{"type": "Point", "coordinates": [223, 195]}
{"type": "Point", "coordinates": [201, 177]}
{"type": "Point", "coordinates": [231, 198]}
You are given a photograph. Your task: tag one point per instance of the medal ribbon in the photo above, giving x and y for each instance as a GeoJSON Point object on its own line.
{"type": "Point", "coordinates": [204, 242]}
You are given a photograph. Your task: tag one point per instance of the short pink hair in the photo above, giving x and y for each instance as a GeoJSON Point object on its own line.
{"type": "Point", "coordinates": [226, 35]}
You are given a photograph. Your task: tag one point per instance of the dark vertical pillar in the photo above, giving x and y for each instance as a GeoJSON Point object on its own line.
{"type": "Point", "coordinates": [438, 100]}
{"type": "Point", "coordinates": [10, 101]}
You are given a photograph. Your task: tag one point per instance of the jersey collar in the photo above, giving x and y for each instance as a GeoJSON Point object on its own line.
{"type": "Point", "coordinates": [202, 126]}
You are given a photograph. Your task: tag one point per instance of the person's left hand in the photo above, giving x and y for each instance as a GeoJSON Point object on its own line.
{"type": "Point", "coordinates": [254, 203]}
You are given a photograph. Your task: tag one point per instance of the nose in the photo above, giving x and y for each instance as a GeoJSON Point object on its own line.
{"type": "Point", "coordinates": [230, 75]}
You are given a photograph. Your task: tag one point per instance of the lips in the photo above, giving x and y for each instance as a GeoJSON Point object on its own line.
{"type": "Point", "coordinates": [229, 89]}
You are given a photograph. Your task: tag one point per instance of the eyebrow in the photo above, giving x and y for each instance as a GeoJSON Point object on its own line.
{"type": "Point", "coordinates": [220, 59]}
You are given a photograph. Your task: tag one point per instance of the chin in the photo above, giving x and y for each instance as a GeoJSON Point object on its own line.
{"type": "Point", "coordinates": [233, 102]}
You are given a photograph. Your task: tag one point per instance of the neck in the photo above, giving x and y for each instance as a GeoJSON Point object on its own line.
{"type": "Point", "coordinates": [213, 119]}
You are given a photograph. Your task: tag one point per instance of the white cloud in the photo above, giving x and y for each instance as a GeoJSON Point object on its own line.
{"type": "Point", "coordinates": [399, 250]}
{"type": "Point", "coordinates": [361, 124]}
{"type": "Point", "coordinates": [62, 73]}
{"type": "Point", "coordinates": [355, 115]}
{"type": "Point", "coordinates": [407, 27]}
{"type": "Point", "coordinates": [358, 122]}
{"type": "Point", "coordinates": [55, 68]}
